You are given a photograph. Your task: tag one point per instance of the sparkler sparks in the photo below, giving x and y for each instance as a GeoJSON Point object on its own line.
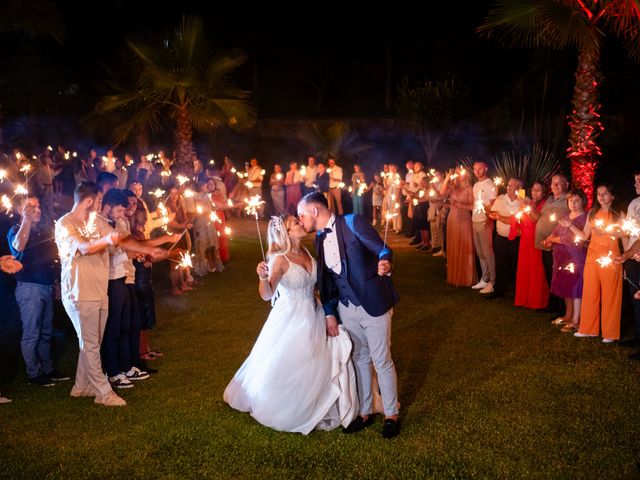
{"type": "Point", "coordinates": [21, 190]}
{"type": "Point", "coordinates": [497, 181]}
{"type": "Point", "coordinates": [6, 203]}
{"type": "Point", "coordinates": [605, 261]}
{"type": "Point", "coordinates": [185, 260]}
{"type": "Point", "coordinates": [570, 268]}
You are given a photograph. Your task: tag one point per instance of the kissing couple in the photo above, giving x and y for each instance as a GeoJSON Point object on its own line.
{"type": "Point", "coordinates": [300, 372]}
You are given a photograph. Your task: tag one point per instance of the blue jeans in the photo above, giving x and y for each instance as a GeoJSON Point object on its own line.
{"type": "Point", "coordinates": [36, 313]}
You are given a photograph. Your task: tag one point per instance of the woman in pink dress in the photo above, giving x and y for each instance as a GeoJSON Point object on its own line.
{"type": "Point", "coordinates": [532, 290]}
{"type": "Point", "coordinates": [461, 265]}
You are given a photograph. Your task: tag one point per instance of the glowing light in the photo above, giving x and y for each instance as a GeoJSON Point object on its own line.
{"type": "Point", "coordinates": [214, 218]}
{"type": "Point", "coordinates": [227, 231]}
{"type": "Point", "coordinates": [158, 193]}
{"type": "Point", "coordinates": [248, 184]}
{"type": "Point", "coordinates": [212, 162]}
{"type": "Point", "coordinates": [421, 194]}
{"type": "Point", "coordinates": [50, 148]}
{"type": "Point", "coordinates": [263, 171]}
{"type": "Point", "coordinates": [233, 170]}
{"type": "Point", "coordinates": [599, 223]}
{"type": "Point", "coordinates": [497, 181]}
{"type": "Point", "coordinates": [630, 227]}
{"type": "Point", "coordinates": [26, 168]}
{"type": "Point", "coordinates": [149, 157]}
{"type": "Point", "coordinates": [341, 185]}
{"type": "Point", "coordinates": [3, 175]}
{"type": "Point", "coordinates": [6, 203]}
{"type": "Point", "coordinates": [605, 261]}
{"type": "Point", "coordinates": [21, 190]}
{"type": "Point", "coordinates": [278, 176]}
{"type": "Point", "coordinates": [182, 179]}
{"type": "Point", "coordinates": [89, 229]}
{"type": "Point", "coordinates": [432, 193]}
{"type": "Point", "coordinates": [415, 202]}
{"type": "Point", "coordinates": [361, 189]}
{"type": "Point", "coordinates": [569, 268]}
{"type": "Point", "coordinates": [230, 202]}
{"type": "Point", "coordinates": [478, 206]}
{"type": "Point", "coordinates": [552, 217]}
{"type": "Point", "coordinates": [185, 260]}
{"type": "Point", "coordinates": [188, 193]}
{"type": "Point", "coordinates": [199, 210]}
{"type": "Point", "coordinates": [253, 204]}
{"type": "Point", "coordinates": [165, 173]}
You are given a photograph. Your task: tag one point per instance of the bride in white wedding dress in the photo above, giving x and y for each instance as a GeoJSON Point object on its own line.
{"type": "Point", "coordinates": [291, 381]}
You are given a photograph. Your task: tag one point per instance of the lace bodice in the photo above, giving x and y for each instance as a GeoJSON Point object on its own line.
{"type": "Point", "coordinates": [297, 283]}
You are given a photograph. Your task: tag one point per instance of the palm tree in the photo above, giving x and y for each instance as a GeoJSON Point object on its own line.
{"type": "Point", "coordinates": [177, 76]}
{"type": "Point", "coordinates": [334, 139]}
{"type": "Point", "coordinates": [582, 24]}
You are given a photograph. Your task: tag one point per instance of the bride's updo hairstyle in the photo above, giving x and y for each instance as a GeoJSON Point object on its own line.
{"type": "Point", "coordinates": [278, 236]}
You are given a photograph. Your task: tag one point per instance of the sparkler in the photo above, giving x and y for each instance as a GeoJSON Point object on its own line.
{"type": "Point", "coordinates": [89, 229]}
{"type": "Point", "coordinates": [6, 203]}
{"type": "Point", "coordinates": [497, 181]}
{"type": "Point", "coordinates": [278, 176]}
{"type": "Point", "coordinates": [188, 193]}
{"type": "Point", "coordinates": [478, 206]}
{"type": "Point", "coordinates": [227, 231]}
{"type": "Point", "coordinates": [253, 204]}
{"type": "Point", "coordinates": [182, 179]}
{"type": "Point", "coordinates": [361, 188]}
{"type": "Point", "coordinates": [214, 218]}
{"type": "Point", "coordinates": [569, 268]}
{"type": "Point", "coordinates": [3, 175]}
{"type": "Point", "coordinates": [388, 216]}
{"type": "Point", "coordinates": [552, 217]}
{"type": "Point", "coordinates": [605, 261]}
{"type": "Point", "coordinates": [21, 190]}
{"type": "Point", "coordinates": [179, 238]}
{"type": "Point", "coordinates": [599, 223]}
{"type": "Point", "coordinates": [630, 227]}
{"type": "Point", "coordinates": [158, 193]}
{"type": "Point", "coordinates": [230, 203]}
{"type": "Point", "coordinates": [185, 260]}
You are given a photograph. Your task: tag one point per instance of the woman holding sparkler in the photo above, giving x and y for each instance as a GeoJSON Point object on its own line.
{"type": "Point", "coordinates": [358, 187]}
{"type": "Point", "coordinates": [602, 288]}
{"type": "Point", "coordinates": [286, 382]}
{"type": "Point", "coordinates": [569, 256]}
{"type": "Point", "coordinates": [461, 263]}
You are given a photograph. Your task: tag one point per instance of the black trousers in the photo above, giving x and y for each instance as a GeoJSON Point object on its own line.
{"type": "Point", "coordinates": [506, 253]}
{"type": "Point", "coordinates": [556, 304]}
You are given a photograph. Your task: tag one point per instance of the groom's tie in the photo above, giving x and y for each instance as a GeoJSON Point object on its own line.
{"type": "Point", "coordinates": [323, 233]}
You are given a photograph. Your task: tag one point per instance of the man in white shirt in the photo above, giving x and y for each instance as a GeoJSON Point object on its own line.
{"type": "Point", "coordinates": [335, 186]}
{"type": "Point", "coordinates": [310, 174]}
{"type": "Point", "coordinates": [406, 208]}
{"type": "Point", "coordinates": [632, 266]}
{"type": "Point", "coordinates": [505, 249]}
{"type": "Point", "coordinates": [484, 194]}
{"type": "Point", "coordinates": [254, 182]}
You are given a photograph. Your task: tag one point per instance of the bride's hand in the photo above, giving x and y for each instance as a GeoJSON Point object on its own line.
{"type": "Point", "coordinates": [332, 326]}
{"type": "Point", "coordinates": [263, 270]}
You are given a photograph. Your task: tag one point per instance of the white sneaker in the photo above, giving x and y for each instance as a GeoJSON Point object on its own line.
{"type": "Point", "coordinates": [583, 335]}
{"type": "Point", "coordinates": [110, 400]}
{"type": "Point", "coordinates": [480, 285]}
{"type": "Point", "coordinates": [487, 289]}
{"type": "Point", "coordinates": [608, 340]}
{"type": "Point", "coordinates": [120, 381]}
{"type": "Point", "coordinates": [136, 374]}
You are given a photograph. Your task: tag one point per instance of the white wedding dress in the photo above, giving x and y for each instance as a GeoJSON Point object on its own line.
{"type": "Point", "coordinates": [289, 381]}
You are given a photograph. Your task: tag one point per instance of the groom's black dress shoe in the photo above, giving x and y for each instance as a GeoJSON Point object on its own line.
{"type": "Point", "coordinates": [358, 424]}
{"type": "Point", "coordinates": [391, 428]}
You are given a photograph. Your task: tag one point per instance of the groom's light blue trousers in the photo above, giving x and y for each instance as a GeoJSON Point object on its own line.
{"type": "Point", "coordinates": [371, 337]}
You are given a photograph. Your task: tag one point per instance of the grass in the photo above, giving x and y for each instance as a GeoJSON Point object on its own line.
{"type": "Point", "coordinates": [487, 391]}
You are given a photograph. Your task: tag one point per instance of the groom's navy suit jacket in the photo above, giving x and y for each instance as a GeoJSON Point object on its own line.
{"type": "Point", "coordinates": [360, 250]}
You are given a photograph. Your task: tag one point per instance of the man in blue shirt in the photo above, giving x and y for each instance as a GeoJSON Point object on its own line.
{"type": "Point", "coordinates": [32, 243]}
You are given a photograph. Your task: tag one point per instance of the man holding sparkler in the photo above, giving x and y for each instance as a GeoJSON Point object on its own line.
{"type": "Point", "coordinates": [354, 268]}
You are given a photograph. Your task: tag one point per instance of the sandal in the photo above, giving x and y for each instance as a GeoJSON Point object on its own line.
{"type": "Point", "coordinates": [558, 321]}
{"type": "Point", "coordinates": [155, 353]}
{"type": "Point", "coordinates": [568, 328]}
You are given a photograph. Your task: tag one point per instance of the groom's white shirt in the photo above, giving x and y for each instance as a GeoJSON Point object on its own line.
{"type": "Point", "coordinates": [330, 247]}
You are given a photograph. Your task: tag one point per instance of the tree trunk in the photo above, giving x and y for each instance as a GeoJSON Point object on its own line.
{"type": "Point", "coordinates": [583, 152]}
{"type": "Point", "coordinates": [184, 145]}
{"type": "Point", "coordinates": [142, 141]}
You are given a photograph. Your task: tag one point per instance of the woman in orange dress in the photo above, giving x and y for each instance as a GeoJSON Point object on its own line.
{"type": "Point", "coordinates": [602, 290]}
{"type": "Point", "coordinates": [461, 265]}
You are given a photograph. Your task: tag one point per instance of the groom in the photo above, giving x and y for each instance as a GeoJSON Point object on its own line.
{"type": "Point", "coordinates": [354, 269]}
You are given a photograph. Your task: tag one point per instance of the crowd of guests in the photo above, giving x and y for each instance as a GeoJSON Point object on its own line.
{"type": "Point", "coordinates": [545, 247]}
{"type": "Point", "coordinates": [97, 258]}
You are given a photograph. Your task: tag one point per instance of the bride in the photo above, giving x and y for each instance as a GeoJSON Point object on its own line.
{"type": "Point", "coordinates": [289, 381]}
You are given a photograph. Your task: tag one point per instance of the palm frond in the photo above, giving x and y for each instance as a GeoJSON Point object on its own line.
{"type": "Point", "coordinates": [511, 165]}
{"type": "Point", "coordinates": [543, 165]}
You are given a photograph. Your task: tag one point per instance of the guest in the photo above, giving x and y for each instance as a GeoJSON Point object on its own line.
{"type": "Point", "coordinates": [569, 256]}
{"type": "Point", "coordinates": [121, 174]}
{"type": "Point", "coordinates": [602, 290]}
{"type": "Point", "coordinates": [406, 204]}
{"type": "Point", "coordinates": [219, 202]}
{"type": "Point", "coordinates": [82, 245]}
{"type": "Point", "coordinates": [554, 209]}
{"type": "Point", "coordinates": [420, 203]}
{"type": "Point", "coordinates": [358, 184]}
{"type": "Point", "coordinates": [632, 266]}
{"type": "Point", "coordinates": [377, 194]}
{"type": "Point", "coordinates": [505, 246]}
{"type": "Point", "coordinates": [276, 181]}
{"type": "Point", "coordinates": [391, 205]}
{"type": "Point", "coordinates": [107, 181]}
{"type": "Point", "coordinates": [254, 182]}
{"type": "Point", "coordinates": [292, 185]}
{"type": "Point", "coordinates": [335, 186]}
{"type": "Point", "coordinates": [323, 180]}
{"type": "Point", "coordinates": [32, 244]}
{"type": "Point", "coordinates": [461, 265]}
{"type": "Point", "coordinates": [181, 279]}
{"type": "Point", "coordinates": [434, 216]}
{"type": "Point", "coordinates": [310, 175]}
{"type": "Point", "coordinates": [199, 175]}
{"type": "Point", "coordinates": [109, 162]}
{"type": "Point", "coordinates": [532, 290]}
{"type": "Point", "coordinates": [484, 194]}
{"type": "Point", "coordinates": [42, 186]}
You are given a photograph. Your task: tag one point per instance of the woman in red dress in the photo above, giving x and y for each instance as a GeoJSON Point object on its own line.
{"type": "Point", "coordinates": [532, 290]}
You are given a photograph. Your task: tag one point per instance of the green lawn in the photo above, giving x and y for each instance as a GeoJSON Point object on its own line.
{"type": "Point", "coordinates": [487, 391]}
